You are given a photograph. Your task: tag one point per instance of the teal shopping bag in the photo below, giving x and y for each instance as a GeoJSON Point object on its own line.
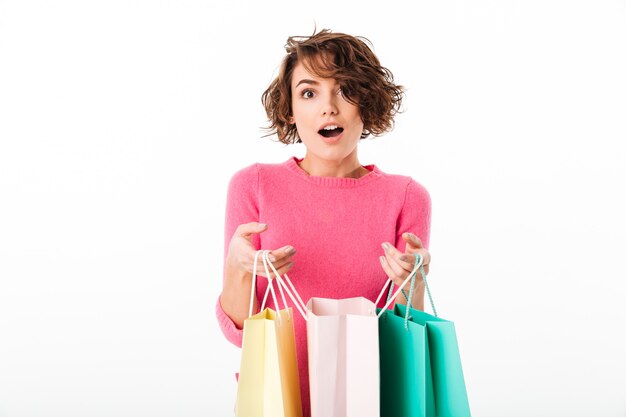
{"type": "Point", "coordinates": [406, 385]}
{"type": "Point", "coordinates": [445, 362]}
{"type": "Point", "coordinates": [421, 371]}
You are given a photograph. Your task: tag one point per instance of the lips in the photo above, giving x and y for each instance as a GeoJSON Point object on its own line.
{"type": "Point", "coordinates": [331, 140]}
{"type": "Point", "coordinates": [330, 133]}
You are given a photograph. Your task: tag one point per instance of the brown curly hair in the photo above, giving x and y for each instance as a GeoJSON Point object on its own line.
{"type": "Point", "coordinates": [347, 59]}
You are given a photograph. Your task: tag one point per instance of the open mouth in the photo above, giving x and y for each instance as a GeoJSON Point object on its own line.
{"type": "Point", "coordinates": [330, 133]}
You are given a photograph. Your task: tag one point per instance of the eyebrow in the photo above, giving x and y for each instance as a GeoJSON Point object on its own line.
{"type": "Point", "coordinates": [307, 81]}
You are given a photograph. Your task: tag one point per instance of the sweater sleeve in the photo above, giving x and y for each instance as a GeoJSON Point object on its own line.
{"type": "Point", "coordinates": [241, 207]}
{"type": "Point", "coordinates": [415, 215]}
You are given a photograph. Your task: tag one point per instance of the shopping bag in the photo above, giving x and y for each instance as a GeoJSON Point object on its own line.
{"type": "Point", "coordinates": [342, 344]}
{"type": "Point", "coordinates": [421, 371]}
{"type": "Point", "coordinates": [342, 341]}
{"type": "Point", "coordinates": [445, 362]}
{"type": "Point", "coordinates": [269, 384]}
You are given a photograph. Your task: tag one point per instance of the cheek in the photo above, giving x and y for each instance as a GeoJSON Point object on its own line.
{"type": "Point", "coordinates": [353, 114]}
{"type": "Point", "coordinates": [301, 113]}
{"type": "Point", "coordinates": [357, 124]}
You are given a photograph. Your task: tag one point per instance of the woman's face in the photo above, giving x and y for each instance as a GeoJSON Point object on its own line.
{"type": "Point", "coordinates": [317, 103]}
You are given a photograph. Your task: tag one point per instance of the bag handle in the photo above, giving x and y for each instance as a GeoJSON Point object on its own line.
{"type": "Point", "coordinates": [280, 283]}
{"type": "Point", "coordinates": [430, 298]}
{"type": "Point", "coordinates": [253, 289]}
{"type": "Point", "coordinates": [293, 294]}
{"type": "Point", "coordinates": [271, 281]}
{"type": "Point", "coordinates": [412, 276]}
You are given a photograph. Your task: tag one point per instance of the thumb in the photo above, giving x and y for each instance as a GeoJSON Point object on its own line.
{"type": "Point", "coordinates": [247, 229]}
{"type": "Point", "coordinates": [412, 241]}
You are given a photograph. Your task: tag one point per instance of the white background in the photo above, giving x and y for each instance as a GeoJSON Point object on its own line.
{"type": "Point", "coordinates": [122, 121]}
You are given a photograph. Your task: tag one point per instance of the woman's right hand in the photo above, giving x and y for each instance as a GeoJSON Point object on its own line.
{"type": "Point", "coordinates": [241, 252]}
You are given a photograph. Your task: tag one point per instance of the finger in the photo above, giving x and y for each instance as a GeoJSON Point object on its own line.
{"type": "Point", "coordinates": [282, 254]}
{"type": "Point", "coordinates": [407, 261]}
{"type": "Point", "coordinates": [412, 241]}
{"type": "Point", "coordinates": [400, 271]}
{"type": "Point", "coordinates": [248, 229]}
{"type": "Point", "coordinates": [390, 253]}
{"type": "Point", "coordinates": [278, 258]}
{"type": "Point", "coordinates": [390, 272]}
{"type": "Point", "coordinates": [423, 252]}
{"type": "Point", "coordinates": [390, 249]}
{"type": "Point", "coordinates": [261, 271]}
{"type": "Point", "coordinates": [425, 255]}
{"type": "Point", "coordinates": [397, 279]}
{"type": "Point", "coordinates": [277, 264]}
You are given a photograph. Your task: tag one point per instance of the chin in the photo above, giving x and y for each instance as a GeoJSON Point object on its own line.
{"type": "Point", "coordinates": [333, 154]}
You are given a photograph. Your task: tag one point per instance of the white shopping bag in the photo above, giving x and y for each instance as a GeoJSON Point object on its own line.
{"type": "Point", "coordinates": [342, 338]}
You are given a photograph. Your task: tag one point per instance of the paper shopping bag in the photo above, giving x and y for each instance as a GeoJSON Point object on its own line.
{"type": "Point", "coordinates": [269, 384]}
{"type": "Point", "coordinates": [342, 339]}
{"type": "Point", "coordinates": [268, 377]}
{"type": "Point", "coordinates": [448, 383]}
{"type": "Point", "coordinates": [421, 372]}
{"type": "Point", "coordinates": [405, 373]}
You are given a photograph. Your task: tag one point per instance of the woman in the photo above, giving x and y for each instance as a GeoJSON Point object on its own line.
{"type": "Point", "coordinates": [352, 226]}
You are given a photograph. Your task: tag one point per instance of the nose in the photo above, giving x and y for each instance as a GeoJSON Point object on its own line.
{"type": "Point", "coordinates": [329, 106]}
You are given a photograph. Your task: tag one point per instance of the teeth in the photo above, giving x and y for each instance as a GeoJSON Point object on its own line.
{"type": "Point", "coordinates": [331, 127]}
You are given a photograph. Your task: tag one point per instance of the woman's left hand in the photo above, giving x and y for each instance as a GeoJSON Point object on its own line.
{"type": "Point", "coordinates": [398, 265]}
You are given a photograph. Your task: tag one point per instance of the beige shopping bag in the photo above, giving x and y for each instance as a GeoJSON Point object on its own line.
{"type": "Point", "coordinates": [269, 385]}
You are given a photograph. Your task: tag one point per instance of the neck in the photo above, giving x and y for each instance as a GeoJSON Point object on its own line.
{"type": "Point", "coordinates": [349, 167]}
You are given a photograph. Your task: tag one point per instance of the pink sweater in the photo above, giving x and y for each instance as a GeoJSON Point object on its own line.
{"type": "Point", "coordinates": [335, 224]}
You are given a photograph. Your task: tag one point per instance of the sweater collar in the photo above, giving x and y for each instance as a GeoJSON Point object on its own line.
{"type": "Point", "coordinates": [292, 165]}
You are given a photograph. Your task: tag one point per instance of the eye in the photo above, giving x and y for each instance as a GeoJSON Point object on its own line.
{"type": "Point", "coordinates": [304, 93]}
